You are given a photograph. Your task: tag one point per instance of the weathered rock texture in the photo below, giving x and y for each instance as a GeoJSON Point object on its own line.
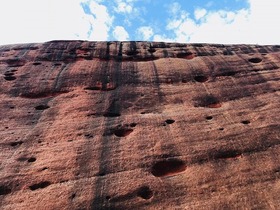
{"type": "Point", "coordinates": [139, 125]}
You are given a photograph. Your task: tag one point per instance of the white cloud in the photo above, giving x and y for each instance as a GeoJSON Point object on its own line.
{"type": "Point", "coordinates": [162, 38]}
{"type": "Point", "coordinates": [124, 6]}
{"type": "Point", "coordinates": [120, 33]}
{"type": "Point", "coordinates": [174, 8]}
{"type": "Point", "coordinates": [145, 32]}
{"type": "Point", "coordinates": [258, 24]}
{"type": "Point", "coordinates": [199, 13]}
{"type": "Point", "coordinates": [39, 21]}
{"type": "Point", "coordinates": [101, 22]}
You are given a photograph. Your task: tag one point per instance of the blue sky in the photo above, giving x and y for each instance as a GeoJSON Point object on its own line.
{"type": "Point", "coordinates": [187, 21]}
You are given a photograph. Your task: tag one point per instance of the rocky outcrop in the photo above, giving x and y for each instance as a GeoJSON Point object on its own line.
{"type": "Point", "coordinates": [139, 125]}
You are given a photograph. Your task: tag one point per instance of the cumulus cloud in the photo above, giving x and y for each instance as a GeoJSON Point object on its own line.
{"type": "Point", "coordinates": [101, 22]}
{"type": "Point", "coordinates": [162, 38]}
{"type": "Point", "coordinates": [174, 8]}
{"type": "Point", "coordinates": [124, 6]}
{"type": "Point", "coordinates": [38, 21]}
{"type": "Point", "coordinates": [145, 32]}
{"type": "Point", "coordinates": [256, 25]}
{"type": "Point", "coordinates": [120, 33]}
{"type": "Point", "coordinates": [199, 13]}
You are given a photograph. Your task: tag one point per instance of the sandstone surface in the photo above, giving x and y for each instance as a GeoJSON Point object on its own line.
{"type": "Point", "coordinates": [139, 125]}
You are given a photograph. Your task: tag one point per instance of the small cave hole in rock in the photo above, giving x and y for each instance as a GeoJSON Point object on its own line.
{"type": "Point", "coordinates": [221, 129]}
{"type": "Point", "coordinates": [210, 102]}
{"type": "Point", "coordinates": [201, 78]}
{"type": "Point", "coordinates": [145, 192]}
{"type": "Point", "coordinates": [209, 118]}
{"type": "Point", "coordinates": [16, 143]}
{"type": "Point", "coordinates": [9, 78]}
{"type": "Point", "coordinates": [168, 167]}
{"type": "Point", "coordinates": [40, 185]}
{"type": "Point", "coordinates": [122, 132]}
{"type": "Point", "coordinates": [42, 107]}
{"type": "Point", "coordinates": [37, 63]}
{"type": "Point", "coordinates": [245, 122]}
{"type": "Point", "coordinates": [7, 74]}
{"type": "Point", "coordinates": [169, 121]}
{"type": "Point", "coordinates": [73, 196]}
{"type": "Point", "coordinates": [255, 60]}
{"type": "Point", "coordinates": [133, 125]}
{"type": "Point", "coordinates": [101, 174]}
{"type": "Point", "coordinates": [151, 50]}
{"type": "Point", "coordinates": [4, 190]}
{"type": "Point", "coordinates": [31, 160]}
{"type": "Point", "coordinates": [108, 197]}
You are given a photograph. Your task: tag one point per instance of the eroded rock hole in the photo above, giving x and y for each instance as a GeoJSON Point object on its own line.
{"type": "Point", "coordinates": [209, 118]}
{"type": "Point", "coordinates": [73, 196]}
{"type": "Point", "coordinates": [7, 74]}
{"type": "Point", "coordinates": [133, 125]}
{"type": "Point", "coordinates": [45, 168]}
{"type": "Point", "coordinates": [101, 174]}
{"type": "Point", "coordinates": [122, 132]}
{"type": "Point", "coordinates": [16, 143]}
{"type": "Point", "coordinates": [201, 78]}
{"type": "Point", "coordinates": [169, 121]}
{"type": "Point", "coordinates": [31, 160]}
{"type": "Point", "coordinates": [186, 55]}
{"type": "Point", "coordinates": [245, 122]}
{"type": "Point", "coordinates": [9, 78]}
{"type": "Point", "coordinates": [168, 167]}
{"type": "Point", "coordinates": [151, 50]}
{"type": "Point", "coordinates": [4, 190]}
{"type": "Point", "coordinates": [42, 107]}
{"type": "Point", "coordinates": [255, 60]}
{"type": "Point", "coordinates": [40, 185]}
{"type": "Point", "coordinates": [37, 63]}
{"type": "Point", "coordinates": [209, 101]}
{"type": "Point", "coordinates": [145, 192]}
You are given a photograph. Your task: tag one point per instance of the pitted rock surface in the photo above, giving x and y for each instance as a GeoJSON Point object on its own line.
{"type": "Point", "coordinates": [139, 125]}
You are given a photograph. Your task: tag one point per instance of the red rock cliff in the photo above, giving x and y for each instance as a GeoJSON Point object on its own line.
{"type": "Point", "coordinates": [139, 125]}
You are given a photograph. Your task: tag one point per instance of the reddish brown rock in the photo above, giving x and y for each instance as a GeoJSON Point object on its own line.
{"type": "Point", "coordinates": [139, 125]}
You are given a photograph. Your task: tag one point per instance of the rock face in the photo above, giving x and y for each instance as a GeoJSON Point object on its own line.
{"type": "Point", "coordinates": [139, 125]}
